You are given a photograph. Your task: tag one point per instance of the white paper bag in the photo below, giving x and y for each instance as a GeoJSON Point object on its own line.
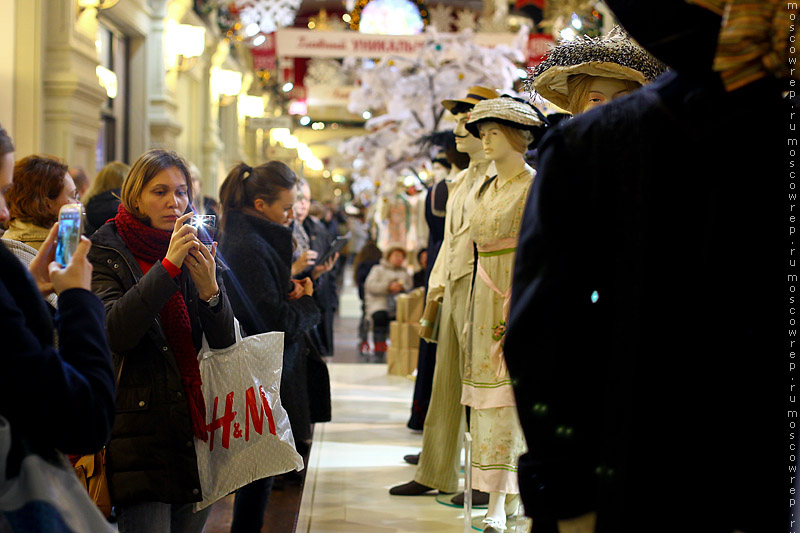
{"type": "Point", "coordinates": [249, 435]}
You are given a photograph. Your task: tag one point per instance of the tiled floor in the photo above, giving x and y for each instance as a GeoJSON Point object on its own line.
{"type": "Point", "coordinates": [359, 455]}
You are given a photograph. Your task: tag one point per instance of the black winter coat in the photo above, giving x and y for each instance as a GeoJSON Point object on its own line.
{"type": "Point", "coordinates": [62, 397]}
{"type": "Point", "coordinates": [101, 208]}
{"type": "Point", "coordinates": [325, 293]}
{"type": "Point", "coordinates": [259, 255]}
{"type": "Point", "coordinates": [647, 324]}
{"type": "Point", "coordinates": [151, 456]}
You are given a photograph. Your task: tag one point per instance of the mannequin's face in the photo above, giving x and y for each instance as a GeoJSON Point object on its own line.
{"type": "Point", "coordinates": [466, 143]}
{"type": "Point", "coordinates": [603, 90]}
{"type": "Point", "coordinates": [495, 143]}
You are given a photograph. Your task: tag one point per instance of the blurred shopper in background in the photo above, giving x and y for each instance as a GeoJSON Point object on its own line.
{"type": "Point", "coordinates": [311, 235]}
{"type": "Point", "coordinates": [81, 180]}
{"type": "Point", "coordinates": [385, 281]}
{"type": "Point", "coordinates": [369, 256]}
{"type": "Point", "coordinates": [102, 198]}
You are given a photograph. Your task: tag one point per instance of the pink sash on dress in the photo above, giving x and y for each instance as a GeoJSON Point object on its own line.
{"type": "Point", "coordinates": [507, 245]}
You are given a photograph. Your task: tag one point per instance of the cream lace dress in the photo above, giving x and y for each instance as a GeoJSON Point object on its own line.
{"type": "Point", "coordinates": [497, 439]}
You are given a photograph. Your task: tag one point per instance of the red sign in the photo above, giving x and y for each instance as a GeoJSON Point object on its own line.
{"type": "Point", "coordinates": [264, 55]}
{"type": "Point", "coordinates": [538, 45]}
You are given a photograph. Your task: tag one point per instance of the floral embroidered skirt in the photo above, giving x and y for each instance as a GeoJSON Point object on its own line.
{"type": "Point", "coordinates": [497, 443]}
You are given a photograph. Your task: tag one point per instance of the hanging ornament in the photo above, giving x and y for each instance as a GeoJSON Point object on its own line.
{"type": "Point", "coordinates": [324, 72]}
{"type": "Point", "coordinates": [268, 14]}
{"type": "Point", "coordinates": [465, 20]}
{"type": "Point", "coordinates": [441, 17]}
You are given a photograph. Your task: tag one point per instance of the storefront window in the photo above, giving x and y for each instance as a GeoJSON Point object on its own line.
{"type": "Point", "coordinates": [112, 140]}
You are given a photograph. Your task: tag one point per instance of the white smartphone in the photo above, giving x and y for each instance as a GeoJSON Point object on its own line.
{"type": "Point", "coordinates": [69, 232]}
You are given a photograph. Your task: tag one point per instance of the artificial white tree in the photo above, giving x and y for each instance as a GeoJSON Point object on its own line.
{"type": "Point", "coordinates": [409, 92]}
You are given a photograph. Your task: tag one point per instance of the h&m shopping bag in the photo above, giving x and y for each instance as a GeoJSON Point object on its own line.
{"type": "Point", "coordinates": [249, 436]}
{"type": "Point", "coordinates": [39, 494]}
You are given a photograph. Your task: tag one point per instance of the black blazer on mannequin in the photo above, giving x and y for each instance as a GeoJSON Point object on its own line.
{"type": "Point", "coordinates": [647, 336]}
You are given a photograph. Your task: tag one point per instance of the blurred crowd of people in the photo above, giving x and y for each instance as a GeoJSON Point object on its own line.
{"type": "Point", "coordinates": [135, 302]}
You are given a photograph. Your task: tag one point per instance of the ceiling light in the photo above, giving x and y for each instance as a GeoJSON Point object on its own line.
{"type": "Point", "coordinates": [288, 86]}
{"type": "Point", "coordinates": [251, 106]}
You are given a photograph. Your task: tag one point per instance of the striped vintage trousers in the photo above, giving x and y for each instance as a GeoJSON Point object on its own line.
{"type": "Point", "coordinates": [439, 463]}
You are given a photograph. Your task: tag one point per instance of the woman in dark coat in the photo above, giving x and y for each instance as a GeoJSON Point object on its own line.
{"type": "Point", "coordinates": [71, 386]}
{"type": "Point", "coordinates": [162, 293]}
{"type": "Point", "coordinates": [256, 204]}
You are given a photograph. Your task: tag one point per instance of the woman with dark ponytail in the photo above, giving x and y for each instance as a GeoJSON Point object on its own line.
{"type": "Point", "coordinates": [256, 203]}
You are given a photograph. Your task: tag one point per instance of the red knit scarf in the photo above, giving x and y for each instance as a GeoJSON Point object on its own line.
{"type": "Point", "coordinates": [151, 245]}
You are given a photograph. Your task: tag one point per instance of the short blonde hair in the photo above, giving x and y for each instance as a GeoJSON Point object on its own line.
{"type": "Point", "coordinates": [145, 169]}
{"type": "Point", "coordinates": [110, 177]}
{"type": "Point", "coordinates": [578, 86]}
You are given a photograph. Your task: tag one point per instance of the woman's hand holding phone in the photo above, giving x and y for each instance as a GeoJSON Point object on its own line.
{"type": "Point", "coordinates": [203, 270]}
{"type": "Point", "coordinates": [327, 266]}
{"type": "Point", "coordinates": [306, 259]}
{"type": "Point", "coordinates": [184, 239]}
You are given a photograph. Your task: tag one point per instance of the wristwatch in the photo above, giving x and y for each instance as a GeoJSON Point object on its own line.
{"type": "Point", "coordinates": [213, 301]}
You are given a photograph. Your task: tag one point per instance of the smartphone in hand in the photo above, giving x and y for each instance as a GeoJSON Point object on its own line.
{"type": "Point", "coordinates": [206, 226]}
{"type": "Point", "coordinates": [69, 232]}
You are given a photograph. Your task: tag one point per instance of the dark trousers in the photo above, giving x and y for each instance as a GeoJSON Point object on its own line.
{"type": "Point", "coordinates": [380, 325]}
{"type": "Point", "coordinates": [250, 504]}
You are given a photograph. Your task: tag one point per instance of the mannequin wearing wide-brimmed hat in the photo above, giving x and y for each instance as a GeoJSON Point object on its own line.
{"type": "Point", "coordinates": [580, 74]}
{"type": "Point", "coordinates": [504, 126]}
{"type": "Point", "coordinates": [650, 291]}
{"type": "Point", "coordinates": [449, 283]}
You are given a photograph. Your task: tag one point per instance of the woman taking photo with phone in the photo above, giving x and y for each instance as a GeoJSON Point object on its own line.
{"type": "Point", "coordinates": [41, 186]}
{"type": "Point", "coordinates": [256, 204]}
{"type": "Point", "coordinates": [162, 293]}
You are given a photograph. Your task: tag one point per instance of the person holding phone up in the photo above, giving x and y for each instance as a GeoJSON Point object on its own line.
{"type": "Point", "coordinates": [162, 292]}
{"type": "Point", "coordinates": [62, 397]}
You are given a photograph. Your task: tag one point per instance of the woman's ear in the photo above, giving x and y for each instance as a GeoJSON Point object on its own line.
{"type": "Point", "coordinates": [259, 205]}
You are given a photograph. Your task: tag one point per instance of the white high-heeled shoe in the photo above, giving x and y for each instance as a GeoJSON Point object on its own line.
{"type": "Point", "coordinates": [493, 525]}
